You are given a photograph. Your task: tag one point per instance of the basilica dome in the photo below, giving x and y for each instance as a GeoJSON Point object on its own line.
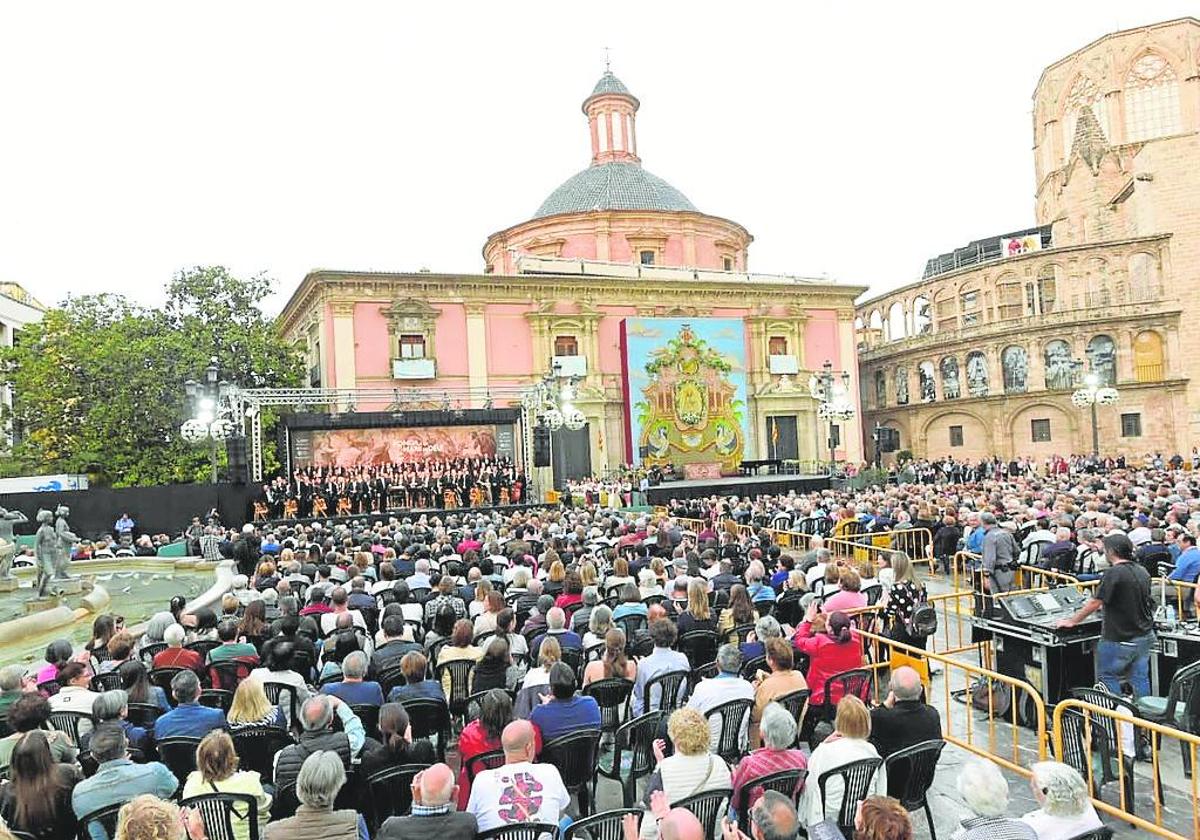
{"type": "Point", "coordinates": [613, 186]}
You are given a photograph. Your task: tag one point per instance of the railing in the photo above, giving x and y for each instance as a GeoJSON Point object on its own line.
{"type": "Point", "coordinates": [875, 546]}
{"type": "Point", "coordinates": [1101, 726]}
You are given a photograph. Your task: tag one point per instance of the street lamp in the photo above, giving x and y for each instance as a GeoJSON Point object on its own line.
{"type": "Point", "coordinates": [210, 419]}
{"type": "Point", "coordinates": [1091, 395]}
{"type": "Point", "coordinates": [834, 402]}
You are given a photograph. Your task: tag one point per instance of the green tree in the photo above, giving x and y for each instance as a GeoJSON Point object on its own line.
{"type": "Point", "coordinates": [98, 384]}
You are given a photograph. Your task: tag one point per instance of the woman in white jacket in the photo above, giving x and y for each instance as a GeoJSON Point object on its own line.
{"type": "Point", "coordinates": [848, 743]}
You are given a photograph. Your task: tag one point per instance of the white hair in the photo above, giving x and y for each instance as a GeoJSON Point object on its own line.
{"type": "Point", "coordinates": [174, 635]}
{"type": "Point", "coordinates": [321, 777]}
{"type": "Point", "coordinates": [778, 727]}
{"type": "Point", "coordinates": [1065, 791]}
{"type": "Point", "coordinates": [982, 786]}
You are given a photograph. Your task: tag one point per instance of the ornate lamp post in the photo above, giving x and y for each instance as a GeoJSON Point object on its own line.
{"type": "Point", "coordinates": [834, 403]}
{"type": "Point", "coordinates": [550, 403]}
{"type": "Point", "coordinates": [211, 415]}
{"type": "Point", "coordinates": [1091, 395]}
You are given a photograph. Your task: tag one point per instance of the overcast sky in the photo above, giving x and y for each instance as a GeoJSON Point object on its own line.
{"type": "Point", "coordinates": [851, 139]}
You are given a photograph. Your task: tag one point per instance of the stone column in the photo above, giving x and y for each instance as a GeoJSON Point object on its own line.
{"type": "Point", "coordinates": [477, 374]}
{"type": "Point", "coordinates": [343, 344]}
{"type": "Point", "coordinates": [852, 442]}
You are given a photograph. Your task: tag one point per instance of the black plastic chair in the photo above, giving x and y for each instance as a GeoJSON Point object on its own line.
{"type": "Point", "coordinates": [162, 677]}
{"type": "Point", "coordinates": [612, 695]}
{"type": "Point", "coordinates": [709, 807]}
{"type": "Point", "coordinates": [389, 678]}
{"type": "Point", "coordinates": [787, 782]}
{"type": "Point", "coordinates": [143, 714]}
{"type": "Point", "coordinates": [218, 810]}
{"type": "Point", "coordinates": [796, 702]}
{"type": "Point", "coordinates": [107, 817]}
{"type": "Point", "coordinates": [203, 647]}
{"type": "Point", "coordinates": [368, 715]}
{"type": "Point", "coordinates": [179, 754]}
{"type": "Point", "coordinates": [48, 688]}
{"type": "Point", "coordinates": [856, 681]}
{"type": "Point", "coordinates": [856, 783]}
{"type": "Point", "coordinates": [461, 672]}
{"type": "Point", "coordinates": [607, 825]}
{"type": "Point", "coordinates": [275, 692]}
{"type": "Point", "coordinates": [109, 681]}
{"type": "Point", "coordinates": [670, 689]}
{"type": "Point", "coordinates": [699, 645]}
{"type": "Point", "coordinates": [575, 757]}
{"type": "Point", "coordinates": [735, 718]}
{"type": "Point", "coordinates": [752, 666]}
{"type": "Point", "coordinates": [913, 769]}
{"type": "Point", "coordinates": [1101, 833]}
{"type": "Point", "coordinates": [391, 792]}
{"type": "Point", "coordinates": [739, 634]}
{"type": "Point", "coordinates": [1179, 709]}
{"type": "Point", "coordinates": [702, 672]}
{"type": "Point", "coordinates": [574, 659]}
{"type": "Point", "coordinates": [873, 593]}
{"type": "Point", "coordinates": [429, 717]}
{"type": "Point", "coordinates": [216, 698]}
{"type": "Point", "coordinates": [521, 831]}
{"type": "Point", "coordinates": [256, 747]}
{"type": "Point", "coordinates": [489, 760]}
{"type": "Point", "coordinates": [630, 625]}
{"type": "Point", "coordinates": [72, 724]}
{"type": "Point", "coordinates": [226, 675]}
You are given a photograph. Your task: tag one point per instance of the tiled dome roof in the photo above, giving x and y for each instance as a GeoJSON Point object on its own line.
{"type": "Point", "coordinates": [609, 84]}
{"type": "Point", "coordinates": [613, 186]}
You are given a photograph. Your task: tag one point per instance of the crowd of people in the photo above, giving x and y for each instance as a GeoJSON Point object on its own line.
{"type": "Point", "coordinates": [320, 491]}
{"type": "Point", "coordinates": [557, 622]}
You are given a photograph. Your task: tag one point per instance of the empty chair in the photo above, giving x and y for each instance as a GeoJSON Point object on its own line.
{"type": "Point", "coordinates": [430, 718]}
{"type": "Point", "coordinates": [699, 645]}
{"type": "Point", "coordinates": [256, 747]}
{"type": "Point", "coordinates": [218, 810]}
{"type": "Point", "coordinates": [1180, 708]}
{"type": "Point", "coordinates": [179, 754]}
{"type": "Point", "coordinates": [109, 681]}
{"type": "Point", "coordinates": [855, 785]}
{"type": "Point", "coordinates": [664, 691]}
{"type": "Point", "coordinates": [915, 767]}
{"type": "Point", "coordinates": [633, 741]}
{"type": "Point", "coordinates": [612, 695]}
{"type": "Point", "coordinates": [459, 673]}
{"type": "Point", "coordinates": [575, 757]}
{"type": "Point", "coordinates": [734, 716]}
{"type": "Point", "coordinates": [391, 792]}
{"type": "Point", "coordinates": [521, 831]}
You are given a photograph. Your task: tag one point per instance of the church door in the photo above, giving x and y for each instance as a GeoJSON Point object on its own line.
{"type": "Point", "coordinates": [782, 443]}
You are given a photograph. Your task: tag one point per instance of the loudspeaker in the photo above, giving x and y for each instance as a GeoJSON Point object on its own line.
{"type": "Point", "coordinates": [541, 446]}
{"type": "Point", "coordinates": [235, 452]}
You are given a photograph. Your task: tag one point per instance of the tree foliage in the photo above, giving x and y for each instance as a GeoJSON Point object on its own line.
{"type": "Point", "coordinates": [99, 384]}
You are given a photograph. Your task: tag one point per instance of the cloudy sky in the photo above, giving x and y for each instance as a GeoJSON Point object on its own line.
{"type": "Point", "coordinates": [852, 139]}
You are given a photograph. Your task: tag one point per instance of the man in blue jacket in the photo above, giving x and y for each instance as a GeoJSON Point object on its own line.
{"type": "Point", "coordinates": [188, 718]}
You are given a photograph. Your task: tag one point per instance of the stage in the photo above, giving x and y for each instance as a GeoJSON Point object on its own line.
{"type": "Point", "coordinates": [735, 485]}
{"type": "Point", "coordinates": [399, 514]}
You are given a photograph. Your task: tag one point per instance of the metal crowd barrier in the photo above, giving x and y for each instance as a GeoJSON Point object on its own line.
{"type": "Point", "coordinates": [1100, 743]}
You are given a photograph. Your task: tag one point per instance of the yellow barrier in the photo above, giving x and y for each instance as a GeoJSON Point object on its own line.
{"type": "Point", "coordinates": [1184, 604]}
{"type": "Point", "coordinates": [979, 737]}
{"type": "Point", "coordinates": [914, 542]}
{"type": "Point", "coordinates": [1032, 577]}
{"type": "Point", "coordinates": [1079, 751]}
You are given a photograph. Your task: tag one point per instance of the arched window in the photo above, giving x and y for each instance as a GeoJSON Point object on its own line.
{"type": "Point", "coordinates": [950, 386]}
{"type": "Point", "coordinates": [1060, 368]}
{"type": "Point", "coordinates": [880, 389]}
{"type": "Point", "coordinates": [922, 315]}
{"type": "Point", "coordinates": [1148, 357]}
{"type": "Point", "coordinates": [1102, 359]}
{"type": "Point", "coordinates": [858, 324]}
{"type": "Point", "coordinates": [1143, 278]}
{"type": "Point", "coordinates": [1045, 288]}
{"type": "Point", "coordinates": [1014, 362]}
{"type": "Point", "coordinates": [902, 385]}
{"type": "Point", "coordinates": [875, 321]}
{"type": "Point", "coordinates": [925, 374]}
{"type": "Point", "coordinates": [1008, 299]}
{"type": "Point", "coordinates": [977, 374]}
{"type": "Point", "coordinates": [1097, 291]}
{"type": "Point", "coordinates": [1085, 95]}
{"type": "Point", "coordinates": [896, 329]}
{"type": "Point", "coordinates": [1151, 99]}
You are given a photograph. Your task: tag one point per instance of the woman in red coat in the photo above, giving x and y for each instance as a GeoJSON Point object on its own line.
{"type": "Point", "coordinates": [831, 646]}
{"type": "Point", "coordinates": [483, 735]}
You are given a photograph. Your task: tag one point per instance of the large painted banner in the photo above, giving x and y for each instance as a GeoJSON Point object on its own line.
{"type": "Point", "coordinates": [685, 390]}
{"type": "Point", "coordinates": [362, 447]}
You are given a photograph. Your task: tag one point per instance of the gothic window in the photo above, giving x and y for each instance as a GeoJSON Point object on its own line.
{"type": "Point", "coordinates": [977, 374]}
{"type": "Point", "coordinates": [925, 374]}
{"type": "Point", "coordinates": [1102, 359]}
{"type": "Point", "coordinates": [1151, 99]}
{"type": "Point", "coordinates": [901, 385]}
{"type": "Point", "coordinates": [1148, 357]}
{"type": "Point", "coordinates": [950, 386]}
{"type": "Point", "coordinates": [1014, 362]}
{"type": "Point", "coordinates": [1085, 94]}
{"type": "Point", "coordinates": [1060, 371]}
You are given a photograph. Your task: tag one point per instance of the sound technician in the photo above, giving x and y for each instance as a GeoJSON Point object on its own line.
{"type": "Point", "coordinates": [1127, 625]}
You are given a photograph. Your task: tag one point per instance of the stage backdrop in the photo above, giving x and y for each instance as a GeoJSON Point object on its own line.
{"type": "Point", "coordinates": [359, 447]}
{"type": "Point", "coordinates": [685, 390]}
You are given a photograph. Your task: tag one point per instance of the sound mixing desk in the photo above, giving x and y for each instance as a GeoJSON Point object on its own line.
{"type": "Point", "coordinates": [1030, 647]}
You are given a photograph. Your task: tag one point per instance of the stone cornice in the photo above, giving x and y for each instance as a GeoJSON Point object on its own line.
{"type": "Point", "coordinates": [384, 288]}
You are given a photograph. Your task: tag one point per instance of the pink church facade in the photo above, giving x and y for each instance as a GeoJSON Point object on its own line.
{"type": "Point", "coordinates": [612, 242]}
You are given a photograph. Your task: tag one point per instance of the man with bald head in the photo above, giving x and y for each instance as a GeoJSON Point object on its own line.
{"type": "Point", "coordinates": [672, 823]}
{"type": "Point", "coordinates": [434, 794]}
{"type": "Point", "coordinates": [904, 719]}
{"type": "Point", "coordinates": [520, 791]}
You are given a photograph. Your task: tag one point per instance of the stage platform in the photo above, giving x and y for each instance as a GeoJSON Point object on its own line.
{"type": "Point", "coordinates": [399, 513]}
{"type": "Point", "coordinates": [736, 485]}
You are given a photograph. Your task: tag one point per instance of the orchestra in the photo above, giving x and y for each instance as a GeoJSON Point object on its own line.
{"type": "Point", "coordinates": [315, 491]}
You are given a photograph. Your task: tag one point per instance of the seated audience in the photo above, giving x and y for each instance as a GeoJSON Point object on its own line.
{"type": "Point", "coordinates": [565, 712]}
{"type": "Point", "coordinates": [135, 679]}
{"type": "Point", "coordinates": [739, 612]}
{"type": "Point", "coordinates": [495, 668]}
{"type": "Point", "coordinates": [118, 779]}
{"type": "Point", "coordinates": [831, 647]}
{"type": "Point", "coordinates": [319, 779]}
{"type": "Point", "coordinates": [353, 688]}
{"type": "Point", "coordinates": [852, 728]}
{"type": "Point", "coordinates": [663, 659]}
{"type": "Point", "coordinates": [188, 718]}
{"type": "Point", "coordinates": [776, 754]}
{"type": "Point", "coordinates": [483, 735]}
{"type": "Point", "coordinates": [725, 686]}
{"type": "Point", "coordinates": [903, 719]}
{"type": "Point", "coordinates": [1065, 810]}
{"type": "Point", "coordinates": [317, 733]}
{"type": "Point", "coordinates": [458, 648]}
{"type": "Point", "coordinates": [556, 628]}
{"type": "Point", "coordinates": [146, 817]}
{"type": "Point", "coordinates": [492, 792]}
{"type": "Point", "coordinates": [985, 792]}
{"type": "Point", "coordinates": [231, 647]}
{"type": "Point", "coordinates": [613, 662]}
{"type": "Point", "coordinates": [691, 768]}
{"type": "Point", "coordinates": [782, 679]}
{"type": "Point", "coordinates": [416, 684]}
{"type": "Point", "coordinates": [433, 814]}
{"type": "Point", "coordinates": [774, 817]}
{"type": "Point", "coordinates": [217, 772]}
{"type": "Point", "coordinates": [847, 597]}
{"type": "Point", "coordinates": [250, 707]}
{"type": "Point", "coordinates": [882, 818]}
{"type": "Point", "coordinates": [398, 746]}
{"type": "Point", "coordinates": [32, 712]}
{"type": "Point", "coordinates": [114, 706]}
{"type": "Point", "coordinates": [698, 615]}
{"type": "Point", "coordinates": [37, 798]}
{"type": "Point", "coordinates": [176, 655]}
{"type": "Point", "coordinates": [74, 692]}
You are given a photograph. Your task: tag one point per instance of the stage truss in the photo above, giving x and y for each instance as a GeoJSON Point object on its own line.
{"type": "Point", "coordinates": [244, 406]}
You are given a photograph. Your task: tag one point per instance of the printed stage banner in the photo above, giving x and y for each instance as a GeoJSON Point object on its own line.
{"type": "Point", "coordinates": [685, 390]}
{"type": "Point", "coordinates": [362, 447]}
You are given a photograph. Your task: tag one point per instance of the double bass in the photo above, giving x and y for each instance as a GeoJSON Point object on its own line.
{"type": "Point", "coordinates": [290, 509]}
{"type": "Point", "coordinates": [320, 507]}
{"type": "Point", "coordinates": [260, 511]}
